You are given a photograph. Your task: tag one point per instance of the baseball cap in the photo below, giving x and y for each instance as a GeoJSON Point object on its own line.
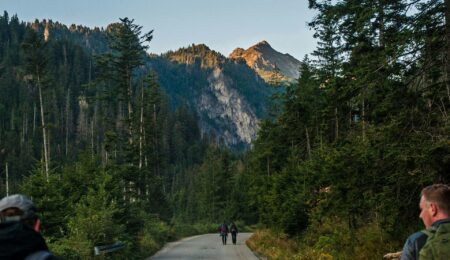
{"type": "Point", "coordinates": [18, 201]}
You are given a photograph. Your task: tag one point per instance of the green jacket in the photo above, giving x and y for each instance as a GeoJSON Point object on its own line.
{"type": "Point", "coordinates": [438, 242]}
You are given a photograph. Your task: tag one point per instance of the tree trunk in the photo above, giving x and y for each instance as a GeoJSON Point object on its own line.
{"type": "Point", "coordinates": [336, 124]}
{"type": "Point", "coordinates": [24, 128]}
{"type": "Point", "coordinates": [44, 130]}
{"type": "Point", "coordinates": [447, 52]}
{"type": "Point", "coordinates": [155, 141]}
{"type": "Point", "coordinates": [308, 144]}
{"type": "Point", "coordinates": [119, 118]}
{"type": "Point", "coordinates": [12, 119]}
{"type": "Point", "coordinates": [141, 127]}
{"type": "Point", "coordinates": [7, 179]}
{"type": "Point", "coordinates": [92, 137]}
{"type": "Point", "coordinates": [34, 118]}
{"type": "Point", "coordinates": [363, 117]}
{"type": "Point", "coordinates": [130, 110]}
{"type": "Point", "coordinates": [67, 120]}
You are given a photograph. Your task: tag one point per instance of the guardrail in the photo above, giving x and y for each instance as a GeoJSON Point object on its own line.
{"type": "Point", "coordinates": [98, 250]}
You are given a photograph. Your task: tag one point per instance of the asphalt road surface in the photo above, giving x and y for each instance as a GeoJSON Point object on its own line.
{"type": "Point", "coordinates": [207, 246]}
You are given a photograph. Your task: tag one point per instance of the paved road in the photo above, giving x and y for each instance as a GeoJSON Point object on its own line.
{"type": "Point", "coordinates": [207, 246]}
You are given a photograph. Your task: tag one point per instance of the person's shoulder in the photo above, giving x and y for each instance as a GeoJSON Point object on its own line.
{"type": "Point", "coordinates": [413, 245]}
{"type": "Point", "coordinates": [418, 235]}
{"type": "Point", "coordinates": [418, 239]}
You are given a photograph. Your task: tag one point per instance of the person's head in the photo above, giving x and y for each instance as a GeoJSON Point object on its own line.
{"type": "Point", "coordinates": [17, 207]}
{"type": "Point", "coordinates": [434, 203]}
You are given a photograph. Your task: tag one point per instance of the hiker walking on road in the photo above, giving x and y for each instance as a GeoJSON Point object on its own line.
{"type": "Point", "coordinates": [234, 231]}
{"type": "Point", "coordinates": [435, 214]}
{"type": "Point", "coordinates": [223, 229]}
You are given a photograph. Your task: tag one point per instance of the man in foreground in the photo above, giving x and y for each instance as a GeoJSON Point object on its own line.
{"type": "Point", "coordinates": [19, 230]}
{"type": "Point", "coordinates": [435, 214]}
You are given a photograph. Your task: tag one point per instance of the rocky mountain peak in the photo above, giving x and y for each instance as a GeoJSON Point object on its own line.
{"type": "Point", "coordinates": [196, 53]}
{"type": "Point", "coordinates": [268, 62]}
{"type": "Point", "coordinates": [237, 52]}
{"type": "Point", "coordinates": [261, 44]}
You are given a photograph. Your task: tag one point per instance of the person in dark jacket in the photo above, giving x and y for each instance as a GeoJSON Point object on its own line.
{"type": "Point", "coordinates": [223, 231]}
{"type": "Point", "coordinates": [19, 230]}
{"type": "Point", "coordinates": [434, 211]}
{"type": "Point", "coordinates": [233, 231]}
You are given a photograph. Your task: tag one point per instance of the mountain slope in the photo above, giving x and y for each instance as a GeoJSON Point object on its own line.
{"type": "Point", "coordinates": [228, 97]}
{"type": "Point", "coordinates": [267, 62]}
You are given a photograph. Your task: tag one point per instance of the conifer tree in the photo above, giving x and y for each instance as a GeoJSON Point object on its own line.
{"type": "Point", "coordinates": [127, 44]}
{"type": "Point", "coordinates": [330, 58]}
{"type": "Point", "coordinates": [36, 62]}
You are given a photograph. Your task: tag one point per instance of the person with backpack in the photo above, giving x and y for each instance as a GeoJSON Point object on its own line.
{"type": "Point", "coordinates": [433, 242]}
{"type": "Point", "coordinates": [19, 230]}
{"type": "Point", "coordinates": [223, 230]}
{"type": "Point", "coordinates": [233, 231]}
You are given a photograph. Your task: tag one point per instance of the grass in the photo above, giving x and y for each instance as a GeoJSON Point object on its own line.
{"type": "Point", "coordinates": [331, 239]}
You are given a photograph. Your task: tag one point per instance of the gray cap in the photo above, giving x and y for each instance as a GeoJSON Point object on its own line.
{"type": "Point", "coordinates": [18, 201]}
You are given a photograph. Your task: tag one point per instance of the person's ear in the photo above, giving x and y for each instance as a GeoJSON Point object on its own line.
{"type": "Point", "coordinates": [433, 209]}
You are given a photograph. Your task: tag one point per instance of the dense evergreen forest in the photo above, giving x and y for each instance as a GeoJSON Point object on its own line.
{"type": "Point", "coordinates": [365, 128]}
{"type": "Point", "coordinates": [337, 166]}
{"type": "Point", "coordinates": [91, 137]}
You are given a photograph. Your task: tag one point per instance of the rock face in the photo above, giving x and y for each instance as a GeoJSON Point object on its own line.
{"type": "Point", "coordinates": [268, 63]}
{"type": "Point", "coordinates": [223, 104]}
{"type": "Point", "coordinates": [228, 97]}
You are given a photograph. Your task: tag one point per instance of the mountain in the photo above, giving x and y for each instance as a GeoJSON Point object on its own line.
{"type": "Point", "coordinates": [268, 63]}
{"type": "Point", "coordinates": [229, 98]}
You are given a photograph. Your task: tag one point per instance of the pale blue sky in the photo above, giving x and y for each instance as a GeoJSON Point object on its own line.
{"type": "Point", "coordinates": [223, 25]}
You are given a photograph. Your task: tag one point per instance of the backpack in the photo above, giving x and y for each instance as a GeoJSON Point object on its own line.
{"type": "Point", "coordinates": [223, 228]}
{"type": "Point", "coordinates": [233, 228]}
{"type": "Point", "coordinates": [438, 243]}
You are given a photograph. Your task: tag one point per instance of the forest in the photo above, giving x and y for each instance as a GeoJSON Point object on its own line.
{"type": "Point", "coordinates": [335, 171]}
{"type": "Point", "coordinates": [92, 138]}
{"type": "Point", "coordinates": [365, 128]}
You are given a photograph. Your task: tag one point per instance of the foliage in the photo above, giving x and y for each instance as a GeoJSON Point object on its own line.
{"type": "Point", "coordinates": [153, 236]}
{"type": "Point", "coordinates": [272, 245]}
{"type": "Point", "coordinates": [361, 132]}
{"type": "Point", "coordinates": [338, 167]}
{"type": "Point", "coordinates": [121, 154]}
{"type": "Point", "coordinates": [330, 239]}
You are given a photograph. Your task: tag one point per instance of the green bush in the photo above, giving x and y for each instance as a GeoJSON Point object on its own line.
{"type": "Point", "coordinates": [153, 236]}
{"type": "Point", "coordinates": [331, 238]}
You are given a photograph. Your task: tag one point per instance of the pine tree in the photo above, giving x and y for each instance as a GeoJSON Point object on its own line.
{"type": "Point", "coordinates": [330, 58]}
{"type": "Point", "coordinates": [127, 45]}
{"type": "Point", "coordinates": [36, 62]}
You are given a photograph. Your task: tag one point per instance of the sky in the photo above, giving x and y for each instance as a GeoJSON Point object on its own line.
{"type": "Point", "coordinates": [223, 25]}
